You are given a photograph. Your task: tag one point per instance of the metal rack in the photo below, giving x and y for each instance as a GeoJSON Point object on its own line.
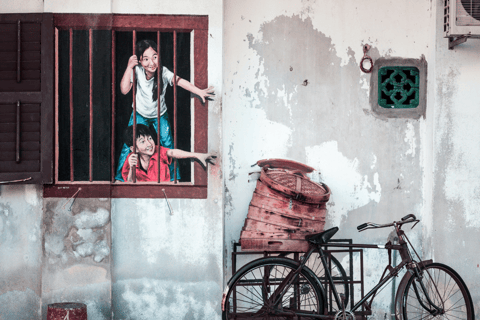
{"type": "Point", "coordinates": [335, 249]}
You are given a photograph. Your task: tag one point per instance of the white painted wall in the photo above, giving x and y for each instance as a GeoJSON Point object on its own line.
{"type": "Point", "coordinates": [455, 228]}
{"type": "Point", "coordinates": [378, 171]}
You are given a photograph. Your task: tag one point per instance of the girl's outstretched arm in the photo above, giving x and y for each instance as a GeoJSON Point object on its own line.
{"type": "Point", "coordinates": [126, 84]}
{"type": "Point", "coordinates": [204, 158]}
{"type": "Point", "coordinates": [202, 93]}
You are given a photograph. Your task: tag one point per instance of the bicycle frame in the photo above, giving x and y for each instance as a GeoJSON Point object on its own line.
{"type": "Point", "coordinates": [414, 269]}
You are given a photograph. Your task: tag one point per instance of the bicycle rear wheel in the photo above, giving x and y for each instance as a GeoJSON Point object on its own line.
{"type": "Point", "coordinates": [258, 291]}
{"type": "Point", "coordinates": [445, 289]}
{"type": "Point", "coordinates": [338, 274]}
{"type": "Point", "coordinates": [339, 277]}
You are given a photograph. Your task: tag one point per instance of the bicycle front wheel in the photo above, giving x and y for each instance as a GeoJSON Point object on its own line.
{"type": "Point", "coordinates": [268, 288]}
{"type": "Point", "coordinates": [448, 296]}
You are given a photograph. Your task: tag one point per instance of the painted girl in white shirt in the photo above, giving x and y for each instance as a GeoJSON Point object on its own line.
{"type": "Point", "coordinates": [147, 92]}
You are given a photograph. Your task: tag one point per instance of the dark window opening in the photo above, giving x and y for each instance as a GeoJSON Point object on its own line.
{"type": "Point", "coordinates": [93, 157]}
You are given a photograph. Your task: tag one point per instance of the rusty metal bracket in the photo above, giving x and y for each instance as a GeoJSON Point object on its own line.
{"type": "Point", "coordinates": [168, 203]}
{"type": "Point", "coordinates": [454, 41]}
{"type": "Point", "coordinates": [14, 181]}
{"type": "Point", "coordinates": [72, 197]}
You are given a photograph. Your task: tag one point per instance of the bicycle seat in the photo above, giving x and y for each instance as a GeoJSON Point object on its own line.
{"type": "Point", "coordinates": [322, 237]}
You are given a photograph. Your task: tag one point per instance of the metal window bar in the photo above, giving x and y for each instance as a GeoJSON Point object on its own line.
{"type": "Point", "coordinates": [90, 71]}
{"type": "Point", "coordinates": [71, 100]}
{"type": "Point", "coordinates": [112, 146]}
{"type": "Point", "coordinates": [56, 105]}
{"type": "Point", "coordinates": [134, 86]}
{"type": "Point", "coordinates": [175, 102]}
{"type": "Point", "coordinates": [159, 81]}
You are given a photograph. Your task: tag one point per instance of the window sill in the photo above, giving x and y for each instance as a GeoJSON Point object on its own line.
{"type": "Point", "coordinates": [185, 190]}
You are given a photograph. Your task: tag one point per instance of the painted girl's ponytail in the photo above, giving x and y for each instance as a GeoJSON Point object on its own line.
{"type": "Point", "coordinates": [141, 47]}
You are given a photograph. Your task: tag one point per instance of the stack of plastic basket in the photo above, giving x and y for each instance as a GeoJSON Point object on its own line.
{"type": "Point", "coordinates": [286, 206]}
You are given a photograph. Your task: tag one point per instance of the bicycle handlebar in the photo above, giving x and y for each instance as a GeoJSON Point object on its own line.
{"type": "Point", "coordinates": [370, 225]}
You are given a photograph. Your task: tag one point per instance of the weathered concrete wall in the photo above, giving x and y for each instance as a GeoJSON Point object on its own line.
{"type": "Point", "coordinates": [20, 252]}
{"type": "Point", "coordinates": [167, 265]}
{"type": "Point", "coordinates": [77, 258]}
{"type": "Point", "coordinates": [293, 89]}
{"type": "Point", "coordinates": [455, 229]}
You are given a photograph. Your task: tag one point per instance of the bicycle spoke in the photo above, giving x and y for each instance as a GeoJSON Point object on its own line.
{"type": "Point", "coordinates": [253, 295]}
{"type": "Point", "coordinates": [444, 289]}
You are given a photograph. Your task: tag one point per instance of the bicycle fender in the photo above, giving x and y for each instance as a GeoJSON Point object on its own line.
{"type": "Point", "coordinates": [401, 290]}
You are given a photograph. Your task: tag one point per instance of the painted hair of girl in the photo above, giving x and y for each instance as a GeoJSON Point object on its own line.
{"type": "Point", "coordinates": [140, 49]}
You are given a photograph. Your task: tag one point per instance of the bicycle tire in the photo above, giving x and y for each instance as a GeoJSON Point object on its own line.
{"type": "Point", "coordinates": [445, 288]}
{"type": "Point", "coordinates": [339, 277]}
{"type": "Point", "coordinates": [249, 291]}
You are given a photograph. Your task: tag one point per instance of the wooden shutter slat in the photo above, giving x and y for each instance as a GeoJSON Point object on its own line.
{"type": "Point", "coordinates": [26, 65]}
{"type": "Point", "coordinates": [24, 117]}
{"type": "Point", "coordinates": [26, 136]}
{"type": "Point", "coordinates": [26, 155]}
{"type": "Point", "coordinates": [25, 37]}
{"type": "Point", "coordinates": [26, 46]}
{"type": "Point", "coordinates": [26, 75]}
{"type": "Point", "coordinates": [26, 27]}
{"type": "Point", "coordinates": [25, 166]}
{"type": "Point", "coordinates": [9, 56]}
{"type": "Point", "coordinates": [14, 86]}
{"type": "Point", "coordinates": [24, 146]}
{"type": "Point", "coordinates": [25, 127]}
{"type": "Point", "coordinates": [26, 108]}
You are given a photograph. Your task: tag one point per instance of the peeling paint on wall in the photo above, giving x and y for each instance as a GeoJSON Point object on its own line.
{"type": "Point", "coordinates": [296, 64]}
{"type": "Point", "coordinates": [20, 252]}
{"type": "Point", "coordinates": [77, 254]}
{"type": "Point", "coordinates": [73, 235]}
{"type": "Point", "coordinates": [350, 188]}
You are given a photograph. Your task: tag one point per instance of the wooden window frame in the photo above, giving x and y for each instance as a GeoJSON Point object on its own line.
{"type": "Point", "coordinates": [198, 26]}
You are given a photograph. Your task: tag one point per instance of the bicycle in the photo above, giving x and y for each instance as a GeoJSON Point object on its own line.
{"type": "Point", "coordinates": [282, 288]}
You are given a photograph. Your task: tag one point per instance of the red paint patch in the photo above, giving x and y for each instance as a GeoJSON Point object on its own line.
{"type": "Point", "coordinates": [67, 310]}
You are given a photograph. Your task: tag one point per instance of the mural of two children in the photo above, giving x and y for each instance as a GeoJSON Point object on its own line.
{"type": "Point", "coordinates": [145, 64]}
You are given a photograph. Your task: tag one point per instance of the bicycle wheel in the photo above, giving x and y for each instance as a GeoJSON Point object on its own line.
{"type": "Point", "coordinates": [339, 277]}
{"type": "Point", "coordinates": [259, 291]}
{"type": "Point", "coordinates": [338, 274]}
{"type": "Point", "coordinates": [445, 289]}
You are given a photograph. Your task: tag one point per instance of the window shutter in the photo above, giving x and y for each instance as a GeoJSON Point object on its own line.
{"type": "Point", "coordinates": [26, 97]}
